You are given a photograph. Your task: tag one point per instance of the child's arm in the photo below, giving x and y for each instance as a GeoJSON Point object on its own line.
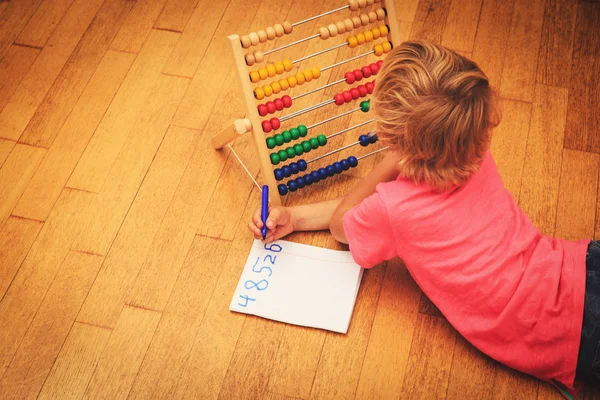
{"type": "Point", "coordinates": [385, 171]}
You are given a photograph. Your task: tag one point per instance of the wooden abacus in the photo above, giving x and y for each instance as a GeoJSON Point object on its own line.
{"type": "Point", "coordinates": [387, 31]}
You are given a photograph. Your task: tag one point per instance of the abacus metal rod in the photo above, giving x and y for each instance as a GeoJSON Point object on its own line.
{"type": "Point", "coordinates": [307, 109]}
{"type": "Point", "coordinates": [320, 15]}
{"type": "Point", "coordinates": [319, 88]}
{"type": "Point", "coordinates": [347, 60]}
{"type": "Point", "coordinates": [371, 153]}
{"type": "Point", "coordinates": [244, 166]}
{"type": "Point", "coordinates": [285, 46]}
{"type": "Point", "coordinates": [320, 52]}
{"type": "Point", "coordinates": [352, 127]}
{"type": "Point", "coordinates": [333, 152]}
{"type": "Point", "coordinates": [334, 117]}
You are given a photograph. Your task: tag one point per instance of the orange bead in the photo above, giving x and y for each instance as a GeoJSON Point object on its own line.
{"type": "Point", "coordinates": [372, 16]}
{"type": "Point", "coordinates": [356, 22]}
{"type": "Point", "coordinates": [360, 38]}
{"type": "Point", "coordinates": [276, 87]}
{"type": "Point", "coordinates": [362, 3]}
{"type": "Point", "coordinates": [271, 70]}
{"type": "Point", "coordinates": [368, 36]}
{"type": "Point", "coordinates": [246, 42]}
{"type": "Point", "coordinates": [250, 59]}
{"type": "Point", "coordinates": [259, 56]}
{"type": "Point", "coordinates": [254, 76]}
{"type": "Point", "coordinates": [284, 84]}
{"type": "Point", "coordinates": [262, 35]}
{"type": "Point", "coordinates": [380, 13]}
{"type": "Point", "coordinates": [292, 81]}
{"type": "Point", "coordinates": [353, 5]}
{"type": "Point", "coordinates": [340, 27]}
{"type": "Point", "coordinates": [378, 49]}
{"type": "Point", "coordinates": [352, 42]}
{"type": "Point", "coordinates": [349, 25]}
{"type": "Point", "coordinates": [279, 31]}
{"type": "Point", "coordinates": [254, 38]}
{"type": "Point", "coordinates": [268, 90]}
{"type": "Point", "coordinates": [316, 72]}
{"type": "Point", "coordinates": [259, 93]}
{"type": "Point", "coordinates": [376, 33]}
{"type": "Point", "coordinates": [270, 33]}
{"type": "Point", "coordinates": [262, 72]}
{"type": "Point", "coordinates": [279, 67]}
{"type": "Point", "coordinates": [324, 32]}
{"type": "Point", "coordinates": [333, 31]}
{"type": "Point", "coordinates": [387, 46]}
{"type": "Point", "coordinates": [287, 27]}
{"type": "Point", "coordinates": [364, 19]}
{"type": "Point", "coordinates": [287, 64]}
{"type": "Point", "coordinates": [384, 30]}
{"type": "Point", "coordinates": [300, 78]}
{"type": "Point", "coordinates": [308, 76]}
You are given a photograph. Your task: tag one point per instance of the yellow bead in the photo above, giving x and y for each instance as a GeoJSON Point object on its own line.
{"type": "Point", "coordinates": [378, 49]}
{"type": "Point", "coordinates": [360, 38]}
{"type": "Point", "coordinates": [308, 76]}
{"type": "Point", "coordinates": [254, 76]}
{"type": "Point", "coordinates": [384, 30]}
{"type": "Point", "coordinates": [259, 93]}
{"type": "Point", "coordinates": [352, 42]}
{"type": "Point", "coordinates": [268, 90]}
{"type": "Point", "coordinates": [376, 33]}
{"type": "Point", "coordinates": [316, 72]}
{"type": "Point", "coordinates": [300, 78]}
{"type": "Point", "coordinates": [292, 81]}
{"type": "Point", "coordinates": [279, 67]}
{"type": "Point", "coordinates": [284, 84]}
{"type": "Point", "coordinates": [262, 72]}
{"type": "Point", "coordinates": [368, 36]}
{"type": "Point", "coordinates": [387, 46]}
{"type": "Point", "coordinates": [287, 64]}
{"type": "Point", "coordinates": [276, 87]}
{"type": "Point", "coordinates": [271, 70]}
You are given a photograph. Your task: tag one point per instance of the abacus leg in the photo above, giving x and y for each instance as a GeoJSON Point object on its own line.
{"type": "Point", "coordinates": [239, 127]}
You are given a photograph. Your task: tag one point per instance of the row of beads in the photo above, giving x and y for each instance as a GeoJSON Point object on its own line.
{"type": "Point", "coordinates": [286, 136]}
{"type": "Point", "coordinates": [270, 33]}
{"type": "Point", "coordinates": [315, 176]}
{"type": "Point", "coordinates": [364, 72]}
{"type": "Point", "coordinates": [353, 94]}
{"type": "Point", "coordinates": [270, 107]}
{"type": "Point", "coordinates": [341, 27]}
{"type": "Point", "coordinates": [284, 84]}
{"type": "Point", "coordinates": [298, 149]}
{"type": "Point", "coordinates": [367, 36]}
{"type": "Point", "coordinates": [270, 70]}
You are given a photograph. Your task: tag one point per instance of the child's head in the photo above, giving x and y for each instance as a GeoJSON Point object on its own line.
{"type": "Point", "coordinates": [436, 110]}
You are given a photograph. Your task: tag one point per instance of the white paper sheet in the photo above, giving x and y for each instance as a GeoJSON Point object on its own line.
{"type": "Point", "coordinates": [299, 284]}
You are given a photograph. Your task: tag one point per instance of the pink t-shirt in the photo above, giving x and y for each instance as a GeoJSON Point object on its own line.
{"type": "Point", "coordinates": [512, 292]}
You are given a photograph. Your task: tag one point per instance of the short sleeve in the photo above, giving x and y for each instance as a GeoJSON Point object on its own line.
{"type": "Point", "coordinates": [369, 232]}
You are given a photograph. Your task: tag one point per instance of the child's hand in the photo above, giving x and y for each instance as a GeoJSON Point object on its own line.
{"type": "Point", "coordinates": [279, 224]}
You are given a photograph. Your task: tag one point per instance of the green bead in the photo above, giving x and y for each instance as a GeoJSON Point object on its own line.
{"type": "Point", "coordinates": [303, 130]}
{"type": "Point", "coordinates": [271, 142]}
{"type": "Point", "coordinates": [282, 155]}
{"type": "Point", "coordinates": [306, 146]}
{"type": "Point", "coordinates": [291, 153]}
{"type": "Point", "coordinates": [287, 137]}
{"type": "Point", "coordinates": [365, 105]}
{"type": "Point", "coordinates": [295, 133]}
{"type": "Point", "coordinates": [298, 149]}
{"type": "Point", "coordinates": [322, 140]}
{"type": "Point", "coordinates": [275, 159]}
{"type": "Point", "coordinates": [279, 139]}
{"type": "Point", "coordinates": [314, 143]}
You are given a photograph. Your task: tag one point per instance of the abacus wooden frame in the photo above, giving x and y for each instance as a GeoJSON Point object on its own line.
{"type": "Point", "coordinates": [252, 120]}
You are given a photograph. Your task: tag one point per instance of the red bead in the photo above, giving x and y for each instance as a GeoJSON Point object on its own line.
{"type": "Point", "coordinates": [350, 79]}
{"type": "Point", "coordinates": [275, 123]}
{"type": "Point", "coordinates": [271, 107]}
{"type": "Point", "coordinates": [347, 96]}
{"type": "Point", "coordinates": [362, 90]}
{"type": "Point", "coordinates": [262, 110]}
{"type": "Point", "coordinates": [339, 99]}
{"type": "Point", "coordinates": [287, 101]}
{"type": "Point", "coordinates": [357, 74]}
{"type": "Point", "coordinates": [355, 93]}
{"type": "Point", "coordinates": [366, 71]}
{"type": "Point", "coordinates": [370, 86]}
{"type": "Point", "coordinates": [374, 68]}
{"type": "Point", "coordinates": [267, 127]}
{"type": "Point", "coordinates": [278, 104]}
{"type": "Point", "coordinates": [379, 63]}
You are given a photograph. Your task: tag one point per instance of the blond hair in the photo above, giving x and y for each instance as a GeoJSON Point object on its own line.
{"type": "Point", "coordinates": [436, 110]}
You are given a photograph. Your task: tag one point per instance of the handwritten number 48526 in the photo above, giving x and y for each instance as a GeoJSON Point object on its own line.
{"type": "Point", "coordinates": [263, 283]}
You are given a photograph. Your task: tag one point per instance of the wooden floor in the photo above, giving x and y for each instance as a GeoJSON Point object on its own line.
{"type": "Point", "coordinates": [123, 233]}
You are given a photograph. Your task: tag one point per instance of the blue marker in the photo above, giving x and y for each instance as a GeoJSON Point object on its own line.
{"type": "Point", "coordinates": [264, 213]}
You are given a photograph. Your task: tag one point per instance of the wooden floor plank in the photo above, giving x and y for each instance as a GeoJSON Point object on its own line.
{"type": "Point", "coordinates": [16, 237]}
{"type": "Point", "coordinates": [520, 63]}
{"type": "Point", "coordinates": [35, 85]}
{"type": "Point", "coordinates": [509, 143]}
{"type": "Point", "coordinates": [556, 47]}
{"type": "Point", "coordinates": [39, 349]}
{"type": "Point", "coordinates": [138, 25]}
{"type": "Point", "coordinates": [181, 319]}
{"type": "Point", "coordinates": [406, 10]}
{"type": "Point", "coordinates": [37, 272]}
{"type": "Point", "coordinates": [69, 85]}
{"type": "Point", "coordinates": [6, 147]}
{"type": "Point", "coordinates": [15, 174]}
{"type": "Point", "coordinates": [430, 20]}
{"type": "Point", "coordinates": [13, 68]}
{"type": "Point", "coordinates": [45, 20]}
{"type": "Point", "coordinates": [76, 362]}
{"type": "Point", "coordinates": [141, 220]}
{"type": "Point", "coordinates": [53, 173]}
{"type": "Point", "coordinates": [541, 173]}
{"type": "Point", "coordinates": [577, 196]}
{"type": "Point", "coordinates": [176, 14]}
{"type": "Point", "coordinates": [385, 364]}
{"type": "Point", "coordinates": [12, 20]}
{"type": "Point", "coordinates": [461, 25]}
{"type": "Point", "coordinates": [98, 157]}
{"type": "Point", "coordinates": [583, 118]}
{"type": "Point", "coordinates": [123, 354]}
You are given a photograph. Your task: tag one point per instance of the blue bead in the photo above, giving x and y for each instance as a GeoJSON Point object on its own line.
{"type": "Point", "coordinates": [363, 140]}
{"type": "Point", "coordinates": [287, 171]}
{"type": "Point", "coordinates": [353, 161]}
{"type": "Point", "coordinates": [345, 164]}
{"type": "Point", "coordinates": [330, 170]}
{"type": "Point", "coordinates": [373, 138]}
{"type": "Point", "coordinates": [338, 167]}
{"type": "Point", "coordinates": [300, 182]}
{"type": "Point", "coordinates": [302, 165]}
{"type": "Point", "coordinates": [295, 168]}
{"type": "Point", "coordinates": [323, 173]}
{"type": "Point", "coordinates": [316, 177]}
{"type": "Point", "coordinates": [283, 190]}
{"type": "Point", "coordinates": [308, 179]}
{"type": "Point", "coordinates": [278, 174]}
{"type": "Point", "coordinates": [292, 185]}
